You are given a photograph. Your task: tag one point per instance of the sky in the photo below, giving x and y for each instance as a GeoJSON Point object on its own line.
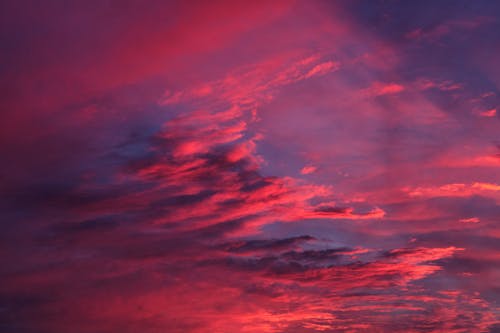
{"type": "Point", "coordinates": [250, 166]}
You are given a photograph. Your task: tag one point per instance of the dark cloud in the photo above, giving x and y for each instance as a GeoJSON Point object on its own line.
{"type": "Point", "coordinates": [265, 244]}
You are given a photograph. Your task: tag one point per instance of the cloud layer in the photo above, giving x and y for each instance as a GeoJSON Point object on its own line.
{"type": "Point", "coordinates": [249, 167]}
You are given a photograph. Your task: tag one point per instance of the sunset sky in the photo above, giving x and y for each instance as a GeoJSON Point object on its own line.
{"type": "Point", "coordinates": [250, 166]}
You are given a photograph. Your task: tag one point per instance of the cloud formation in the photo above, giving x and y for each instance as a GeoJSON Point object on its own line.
{"type": "Point", "coordinates": [249, 167]}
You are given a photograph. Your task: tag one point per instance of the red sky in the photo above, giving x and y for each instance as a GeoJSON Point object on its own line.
{"type": "Point", "coordinates": [249, 166]}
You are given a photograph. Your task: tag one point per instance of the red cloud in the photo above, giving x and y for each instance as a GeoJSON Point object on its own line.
{"type": "Point", "coordinates": [456, 190]}
{"type": "Point", "coordinates": [380, 89]}
{"type": "Point", "coordinates": [488, 113]}
{"type": "Point", "coordinates": [177, 225]}
{"type": "Point", "coordinates": [470, 220]}
{"type": "Point", "coordinates": [308, 170]}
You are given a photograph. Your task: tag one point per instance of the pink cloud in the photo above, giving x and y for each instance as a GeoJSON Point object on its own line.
{"type": "Point", "coordinates": [457, 160]}
{"type": "Point", "coordinates": [488, 113]}
{"type": "Point", "coordinates": [454, 190]}
{"type": "Point", "coordinates": [248, 87]}
{"type": "Point", "coordinates": [183, 224]}
{"type": "Point", "coordinates": [425, 84]}
{"type": "Point", "coordinates": [486, 186]}
{"type": "Point", "coordinates": [308, 169]}
{"type": "Point", "coordinates": [380, 89]}
{"type": "Point", "coordinates": [470, 220]}
{"type": "Point", "coordinates": [322, 69]}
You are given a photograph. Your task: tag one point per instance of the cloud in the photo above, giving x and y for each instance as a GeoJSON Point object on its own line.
{"type": "Point", "coordinates": [265, 245]}
{"type": "Point", "coordinates": [489, 161]}
{"type": "Point", "coordinates": [446, 28]}
{"type": "Point", "coordinates": [146, 179]}
{"type": "Point", "coordinates": [455, 190]}
{"type": "Point", "coordinates": [470, 220]}
{"type": "Point", "coordinates": [308, 169]}
{"type": "Point", "coordinates": [250, 86]}
{"type": "Point", "coordinates": [181, 224]}
{"type": "Point", "coordinates": [425, 84]}
{"type": "Point", "coordinates": [486, 186]}
{"type": "Point", "coordinates": [488, 113]}
{"type": "Point", "coordinates": [380, 89]}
